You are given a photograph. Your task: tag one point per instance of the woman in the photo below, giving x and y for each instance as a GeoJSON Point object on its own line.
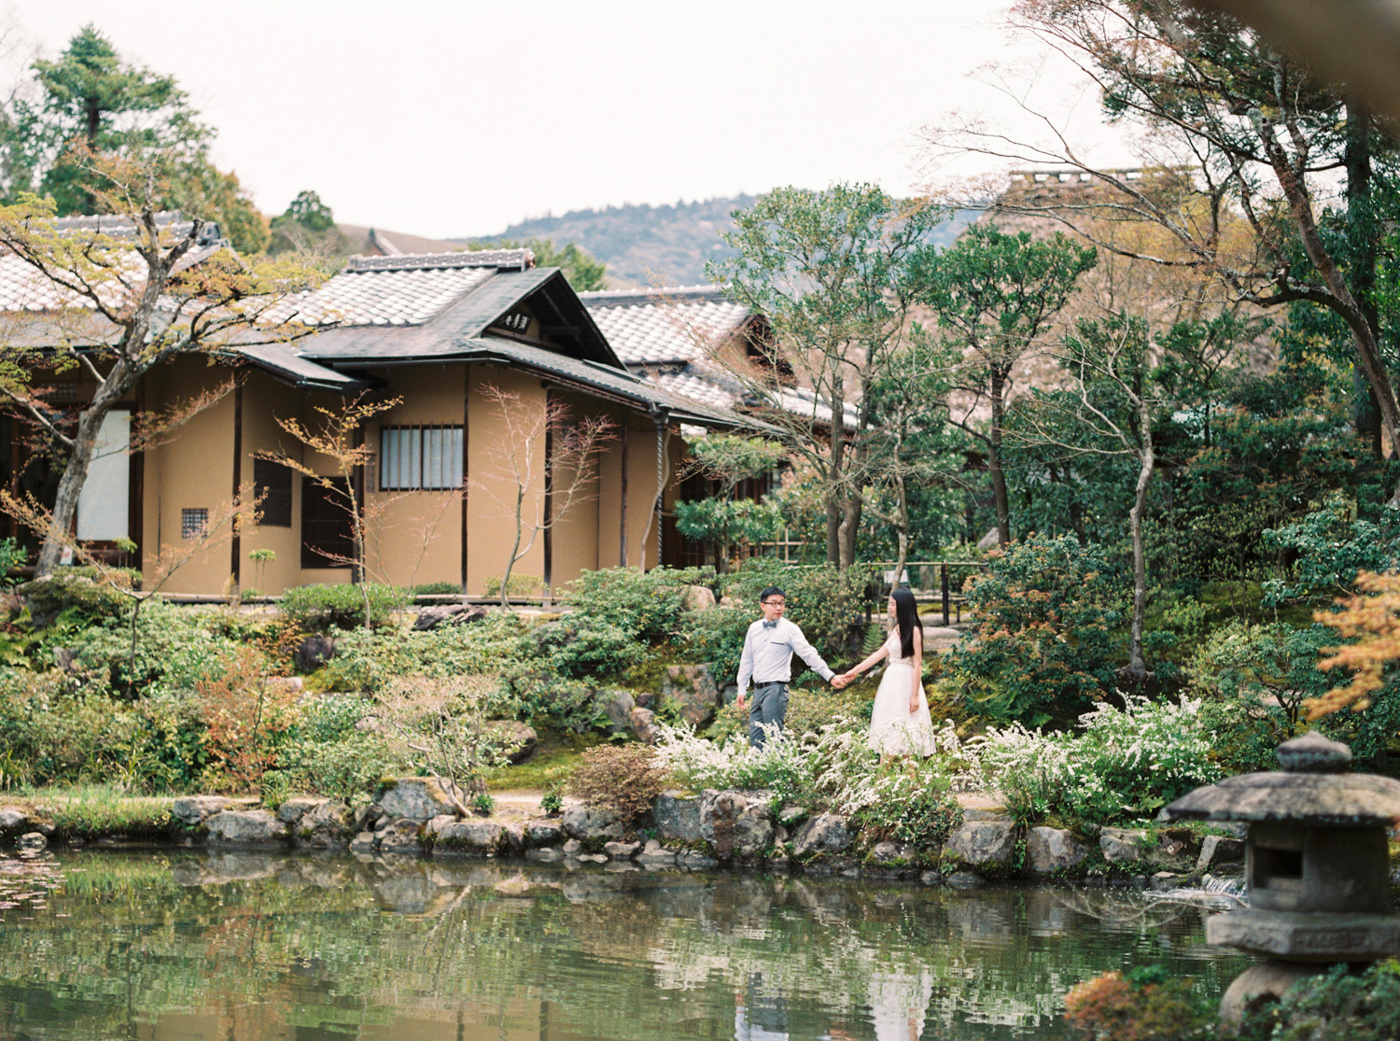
{"type": "Point", "coordinates": [899, 723]}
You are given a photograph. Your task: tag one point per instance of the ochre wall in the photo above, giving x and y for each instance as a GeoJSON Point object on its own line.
{"type": "Point", "coordinates": [194, 470]}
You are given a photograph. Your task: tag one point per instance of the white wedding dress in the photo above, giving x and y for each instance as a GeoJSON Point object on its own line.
{"type": "Point", "coordinates": [893, 729]}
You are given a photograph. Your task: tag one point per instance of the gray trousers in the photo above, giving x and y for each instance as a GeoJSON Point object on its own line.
{"type": "Point", "coordinates": [769, 705]}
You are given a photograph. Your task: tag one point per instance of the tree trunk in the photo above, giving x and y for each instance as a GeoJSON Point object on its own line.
{"type": "Point", "coordinates": [1003, 502]}
{"type": "Point", "coordinates": [70, 487]}
{"type": "Point", "coordinates": [1363, 236]}
{"type": "Point", "coordinates": [1137, 663]}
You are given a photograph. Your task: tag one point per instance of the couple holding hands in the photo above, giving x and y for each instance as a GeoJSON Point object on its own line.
{"type": "Point", "coordinates": [899, 722]}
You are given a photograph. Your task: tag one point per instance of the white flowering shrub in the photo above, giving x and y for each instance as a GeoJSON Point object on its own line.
{"type": "Point", "coordinates": [833, 770]}
{"type": "Point", "coordinates": [1123, 764]}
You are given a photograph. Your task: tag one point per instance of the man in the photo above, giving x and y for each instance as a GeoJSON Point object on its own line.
{"type": "Point", "coordinates": [767, 660]}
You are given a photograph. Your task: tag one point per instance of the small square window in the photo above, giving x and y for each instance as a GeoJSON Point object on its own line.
{"type": "Point", "coordinates": [193, 523]}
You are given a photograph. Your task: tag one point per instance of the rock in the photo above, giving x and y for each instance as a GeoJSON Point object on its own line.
{"type": "Point", "coordinates": [362, 843]}
{"type": "Point", "coordinates": [1313, 753]}
{"type": "Point", "coordinates": [586, 823]}
{"type": "Point", "coordinates": [824, 835]}
{"type": "Point", "coordinates": [473, 838]}
{"type": "Point", "coordinates": [694, 860]}
{"type": "Point", "coordinates": [656, 856]}
{"type": "Point", "coordinates": [31, 842]}
{"type": "Point", "coordinates": [12, 819]}
{"type": "Point", "coordinates": [314, 652]}
{"type": "Point", "coordinates": [1217, 849]}
{"type": "Point", "coordinates": [965, 880]}
{"type": "Point", "coordinates": [677, 817]}
{"type": "Point", "coordinates": [547, 855]}
{"type": "Point", "coordinates": [519, 738]}
{"type": "Point", "coordinates": [401, 835]}
{"type": "Point", "coordinates": [297, 807]}
{"type": "Point", "coordinates": [621, 850]}
{"type": "Point", "coordinates": [448, 614]}
{"type": "Point", "coordinates": [245, 828]}
{"type": "Point", "coordinates": [698, 598]}
{"type": "Point", "coordinates": [192, 810]}
{"type": "Point", "coordinates": [421, 798]}
{"type": "Point", "coordinates": [692, 687]}
{"type": "Point", "coordinates": [737, 824]}
{"type": "Point", "coordinates": [1050, 849]}
{"type": "Point", "coordinates": [539, 833]}
{"type": "Point", "coordinates": [1122, 845]}
{"type": "Point", "coordinates": [512, 838]}
{"type": "Point", "coordinates": [643, 722]}
{"type": "Point", "coordinates": [988, 844]}
{"type": "Point", "coordinates": [325, 825]}
{"type": "Point", "coordinates": [886, 854]}
{"type": "Point", "coordinates": [617, 704]}
{"type": "Point", "coordinates": [990, 540]}
{"type": "Point", "coordinates": [1266, 982]}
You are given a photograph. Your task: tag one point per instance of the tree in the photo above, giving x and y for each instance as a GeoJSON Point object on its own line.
{"type": "Point", "coordinates": [307, 226]}
{"type": "Point", "coordinates": [89, 102]}
{"type": "Point", "coordinates": [549, 464]}
{"type": "Point", "coordinates": [994, 295]}
{"type": "Point", "coordinates": [1243, 131]}
{"type": "Point", "coordinates": [581, 269]}
{"type": "Point", "coordinates": [833, 273]}
{"type": "Point", "coordinates": [728, 460]}
{"type": "Point", "coordinates": [126, 303]}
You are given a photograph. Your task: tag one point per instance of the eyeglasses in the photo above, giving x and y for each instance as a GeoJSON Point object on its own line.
{"type": "Point", "coordinates": [774, 603]}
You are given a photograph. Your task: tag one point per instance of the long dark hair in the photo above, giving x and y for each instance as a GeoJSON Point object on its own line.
{"type": "Point", "coordinates": [906, 615]}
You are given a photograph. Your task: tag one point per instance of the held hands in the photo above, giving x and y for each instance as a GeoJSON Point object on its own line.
{"type": "Point", "coordinates": [840, 680]}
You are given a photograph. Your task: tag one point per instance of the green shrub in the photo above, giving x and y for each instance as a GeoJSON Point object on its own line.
{"type": "Point", "coordinates": [646, 606]}
{"type": "Point", "coordinates": [436, 589]}
{"type": "Point", "coordinates": [56, 734]}
{"type": "Point", "coordinates": [333, 754]}
{"type": "Point", "coordinates": [1358, 1006]}
{"type": "Point", "coordinates": [12, 555]}
{"type": "Point", "coordinates": [365, 661]}
{"type": "Point", "coordinates": [321, 608]}
{"type": "Point", "coordinates": [80, 591]}
{"type": "Point", "coordinates": [620, 779]}
{"type": "Point", "coordinates": [519, 586]}
{"type": "Point", "coordinates": [1145, 1005]}
{"type": "Point", "coordinates": [1045, 640]}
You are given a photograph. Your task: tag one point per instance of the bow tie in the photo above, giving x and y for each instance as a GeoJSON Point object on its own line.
{"type": "Point", "coordinates": [771, 625]}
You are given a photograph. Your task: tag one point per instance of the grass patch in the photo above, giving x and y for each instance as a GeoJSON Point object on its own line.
{"type": "Point", "coordinates": [549, 766]}
{"type": "Point", "coordinates": [95, 810]}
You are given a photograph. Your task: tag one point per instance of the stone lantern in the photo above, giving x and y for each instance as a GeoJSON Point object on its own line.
{"type": "Point", "coordinates": [1317, 866]}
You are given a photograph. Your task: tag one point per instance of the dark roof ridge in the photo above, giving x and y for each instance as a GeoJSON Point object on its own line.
{"type": "Point", "coordinates": [623, 297]}
{"type": "Point", "coordinates": [503, 259]}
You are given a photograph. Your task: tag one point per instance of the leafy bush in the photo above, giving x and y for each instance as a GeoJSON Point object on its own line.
{"type": "Point", "coordinates": [520, 585]}
{"type": "Point", "coordinates": [12, 555]}
{"type": "Point", "coordinates": [321, 608]}
{"type": "Point", "coordinates": [620, 779]}
{"type": "Point", "coordinates": [1331, 549]}
{"type": "Point", "coordinates": [436, 589]}
{"type": "Point", "coordinates": [366, 662]}
{"type": "Point", "coordinates": [1145, 1005]}
{"type": "Point", "coordinates": [56, 734]}
{"type": "Point", "coordinates": [83, 592]}
{"type": "Point", "coordinates": [717, 636]}
{"type": "Point", "coordinates": [1124, 764]}
{"type": "Point", "coordinates": [646, 606]}
{"type": "Point", "coordinates": [1358, 1006]}
{"type": "Point", "coordinates": [333, 754]}
{"type": "Point", "coordinates": [1045, 642]}
{"type": "Point", "coordinates": [438, 725]}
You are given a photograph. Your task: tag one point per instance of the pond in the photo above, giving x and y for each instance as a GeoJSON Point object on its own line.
{"type": "Point", "coordinates": [194, 946]}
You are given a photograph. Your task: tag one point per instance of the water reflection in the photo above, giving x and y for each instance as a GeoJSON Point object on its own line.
{"type": "Point", "coordinates": [266, 948]}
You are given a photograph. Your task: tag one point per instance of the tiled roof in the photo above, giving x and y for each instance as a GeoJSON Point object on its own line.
{"type": "Point", "coordinates": [398, 290]}
{"type": "Point", "coordinates": [664, 325]}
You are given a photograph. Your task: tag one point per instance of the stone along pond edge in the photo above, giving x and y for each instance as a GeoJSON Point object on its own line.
{"type": "Point", "coordinates": [715, 829]}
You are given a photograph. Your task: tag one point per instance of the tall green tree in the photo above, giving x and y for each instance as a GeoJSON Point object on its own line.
{"type": "Point", "coordinates": [89, 102]}
{"type": "Point", "coordinates": [585, 272]}
{"type": "Point", "coordinates": [835, 273]}
{"type": "Point", "coordinates": [1248, 133]}
{"type": "Point", "coordinates": [995, 296]}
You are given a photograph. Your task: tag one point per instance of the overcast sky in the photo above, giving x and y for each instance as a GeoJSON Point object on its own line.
{"type": "Point", "coordinates": [450, 118]}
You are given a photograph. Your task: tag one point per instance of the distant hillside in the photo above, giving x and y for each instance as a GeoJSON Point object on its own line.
{"type": "Point", "coordinates": [655, 245]}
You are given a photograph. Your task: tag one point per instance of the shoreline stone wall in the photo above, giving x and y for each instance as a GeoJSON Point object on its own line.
{"type": "Point", "coordinates": [711, 830]}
